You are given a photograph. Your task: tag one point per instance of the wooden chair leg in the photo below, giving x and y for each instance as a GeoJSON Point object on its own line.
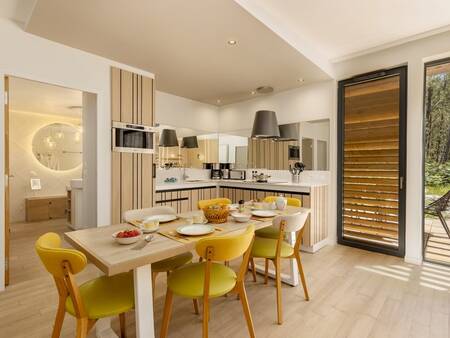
{"type": "Point", "coordinates": [266, 271]}
{"type": "Point", "coordinates": [252, 262]}
{"type": "Point", "coordinates": [82, 327]}
{"type": "Point", "coordinates": [246, 309]}
{"type": "Point", "coordinates": [60, 313]}
{"type": "Point", "coordinates": [154, 275]}
{"type": "Point", "coordinates": [91, 323]}
{"type": "Point", "coordinates": [278, 284]}
{"type": "Point", "coordinates": [302, 275]}
{"type": "Point", "coordinates": [122, 321]}
{"type": "Point", "coordinates": [167, 313]}
{"type": "Point", "coordinates": [195, 302]}
{"type": "Point", "coordinates": [205, 316]}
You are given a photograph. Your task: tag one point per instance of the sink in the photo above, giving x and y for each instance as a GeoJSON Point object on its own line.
{"type": "Point", "coordinates": [76, 183]}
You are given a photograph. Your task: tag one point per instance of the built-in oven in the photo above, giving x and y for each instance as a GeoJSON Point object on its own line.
{"type": "Point", "coordinates": [133, 138]}
{"type": "Point", "coordinates": [293, 153]}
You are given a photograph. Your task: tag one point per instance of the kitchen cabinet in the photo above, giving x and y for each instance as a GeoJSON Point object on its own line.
{"type": "Point", "coordinates": [183, 200]}
{"type": "Point", "coordinates": [316, 228]}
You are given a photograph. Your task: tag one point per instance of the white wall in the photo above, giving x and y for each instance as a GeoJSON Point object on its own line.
{"type": "Point", "coordinates": [24, 165]}
{"type": "Point", "coordinates": [27, 56]}
{"type": "Point", "coordinates": [180, 112]}
{"type": "Point", "coordinates": [309, 102]}
{"type": "Point", "coordinates": [413, 54]}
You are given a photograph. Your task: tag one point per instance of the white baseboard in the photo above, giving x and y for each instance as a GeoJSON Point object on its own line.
{"type": "Point", "coordinates": [413, 260]}
{"type": "Point", "coordinates": [316, 247]}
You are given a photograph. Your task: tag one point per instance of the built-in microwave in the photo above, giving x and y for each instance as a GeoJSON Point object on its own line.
{"type": "Point", "coordinates": [133, 138]}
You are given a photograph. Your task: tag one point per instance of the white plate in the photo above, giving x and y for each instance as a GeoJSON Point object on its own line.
{"type": "Point", "coordinates": [195, 230]}
{"type": "Point", "coordinates": [160, 218]}
{"type": "Point", "coordinates": [264, 213]}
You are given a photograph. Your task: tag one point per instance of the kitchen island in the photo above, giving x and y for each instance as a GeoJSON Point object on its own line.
{"type": "Point", "coordinates": [183, 197]}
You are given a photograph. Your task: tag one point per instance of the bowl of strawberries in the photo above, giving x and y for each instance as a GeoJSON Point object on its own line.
{"type": "Point", "coordinates": [128, 236]}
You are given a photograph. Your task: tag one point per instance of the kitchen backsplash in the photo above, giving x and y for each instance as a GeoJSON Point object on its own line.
{"type": "Point", "coordinates": [310, 176]}
{"type": "Point", "coordinates": [192, 174]}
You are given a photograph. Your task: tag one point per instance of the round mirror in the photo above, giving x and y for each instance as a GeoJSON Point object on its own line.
{"type": "Point", "coordinates": [58, 146]}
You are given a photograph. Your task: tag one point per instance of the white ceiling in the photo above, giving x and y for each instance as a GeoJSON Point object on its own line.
{"type": "Point", "coordinates": [344, 28]}
{"type": "Point", "coordinates": [37, 97]}
{"type": "Point", "coordinates": [183, 42]}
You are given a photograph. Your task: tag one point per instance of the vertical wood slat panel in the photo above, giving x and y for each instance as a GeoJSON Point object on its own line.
{"type": "Point", "coordinates": [132, 177]}
{"type": "Point", "coordinates": [126, 96]}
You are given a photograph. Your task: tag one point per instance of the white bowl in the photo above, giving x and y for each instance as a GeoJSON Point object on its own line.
{"type": "Point", "coordinates": [127, 240]}
{"type": "Point", "coordinates": [241, 217]}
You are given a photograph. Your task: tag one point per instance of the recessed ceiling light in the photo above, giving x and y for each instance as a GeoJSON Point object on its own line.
{"type": "Point", "coordinates": [300, 80]}
{"type": "Point", "coordinates": [232, 42]}
{"type": "Point", "coordinates": [253, 92]}
{"type": "Point", "coordinates": [218, 101]}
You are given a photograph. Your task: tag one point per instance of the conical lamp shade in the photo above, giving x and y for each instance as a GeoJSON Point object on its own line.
{"type": "Point", "coordinates": [168, 138]}
{"type": "Point", "coordinates": [265, 125]}
{"type": "Point", "coordinates": [289, 132]}
{"type": "Point", "coordinates": [189, 142]}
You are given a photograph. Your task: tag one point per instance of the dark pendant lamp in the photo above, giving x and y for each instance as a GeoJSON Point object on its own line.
{"type": "Point", "coordinates": [289, 132]}
{"type": "Point", "coordinates": [189, 142]}
{"type": "Point", "coordinates": [265, 125]}
{"type": "Point", "coordinates": [168, 138]}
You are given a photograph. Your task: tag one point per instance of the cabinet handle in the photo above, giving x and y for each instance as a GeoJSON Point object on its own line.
{"type": "Point", "coordinates": [154, 170]}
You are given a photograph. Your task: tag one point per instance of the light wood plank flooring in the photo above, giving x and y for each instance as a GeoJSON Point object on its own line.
{"type": "Point", "coordinates": [354, 293]}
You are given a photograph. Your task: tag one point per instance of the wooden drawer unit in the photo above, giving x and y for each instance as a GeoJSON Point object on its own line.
{"type": "Point", "coordinates": [45, 207]}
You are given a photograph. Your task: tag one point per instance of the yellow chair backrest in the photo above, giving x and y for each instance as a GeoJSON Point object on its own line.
{"type": "Point", "coordinates": [206, 203]}
{"type": "Point", "coordinates": [226, 247]}
{"type": "Point", "coordinates": [291, 201]}
{"type": "Point", "coordinates": [48, 247]}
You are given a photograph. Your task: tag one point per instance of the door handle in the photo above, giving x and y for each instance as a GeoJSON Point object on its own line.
{"type": "Point", "coordinates": [401, 182]}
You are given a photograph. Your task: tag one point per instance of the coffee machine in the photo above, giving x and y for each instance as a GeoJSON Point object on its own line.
{"type": "Point", "coordinates": [216, 173]}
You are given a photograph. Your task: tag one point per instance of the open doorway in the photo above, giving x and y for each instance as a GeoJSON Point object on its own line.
{"type": "Point", "coordinates": [44, 167]}
{"type": "Point", "coordinates": [437, 162]}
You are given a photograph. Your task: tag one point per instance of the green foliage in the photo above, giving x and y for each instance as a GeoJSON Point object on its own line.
{"type": "Point", "coordinates": [437, 174]}
{"type": "Point", "coordinates": [437, 117]}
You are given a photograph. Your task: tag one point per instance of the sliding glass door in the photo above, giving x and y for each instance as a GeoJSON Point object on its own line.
{"type": "Point", "coordinates": [371, 161]}
{"type": "Point", "coordinates": [437, 162]}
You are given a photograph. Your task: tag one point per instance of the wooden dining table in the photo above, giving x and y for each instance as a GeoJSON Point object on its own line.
{"type": "Point", "coordinates": [112, 258]}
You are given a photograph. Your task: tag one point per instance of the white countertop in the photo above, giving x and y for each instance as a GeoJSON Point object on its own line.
{"type": "Point", "coordinates": [271, 185]}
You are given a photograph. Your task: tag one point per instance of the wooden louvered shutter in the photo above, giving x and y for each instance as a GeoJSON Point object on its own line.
{"type": "Point", "coordinates": [370, 176]}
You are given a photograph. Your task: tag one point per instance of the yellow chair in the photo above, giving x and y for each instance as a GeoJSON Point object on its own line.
{"type": "Point", "coordinates": [277, 249]}
{"type": "Point", "coordinates": [206, 203]}
{"type": "Point", "coordinates": [168, 264]}
{"type": "Point", "coordinates": [208, 279]}
{"type": "Point", "coordinates": [272, 232]}
{"type": "Point", "coordinates": [95, 299]}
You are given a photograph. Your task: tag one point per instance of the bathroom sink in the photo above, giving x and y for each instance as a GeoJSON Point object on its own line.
{"type": "Point", "coordinates": [76, 183]}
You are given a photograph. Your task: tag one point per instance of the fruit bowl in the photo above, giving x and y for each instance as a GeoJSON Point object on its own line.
{"type": "Point", "coordinates": [127, 236]}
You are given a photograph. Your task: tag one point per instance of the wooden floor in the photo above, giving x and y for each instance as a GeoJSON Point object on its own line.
{"type": "Point", "coordinates": [354, 293]}
{"type": "Point", "coordinates": [437, 248]}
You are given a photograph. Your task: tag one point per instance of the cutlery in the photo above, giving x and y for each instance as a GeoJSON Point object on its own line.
{"type": "Point", "coordinates": [141, 245]}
